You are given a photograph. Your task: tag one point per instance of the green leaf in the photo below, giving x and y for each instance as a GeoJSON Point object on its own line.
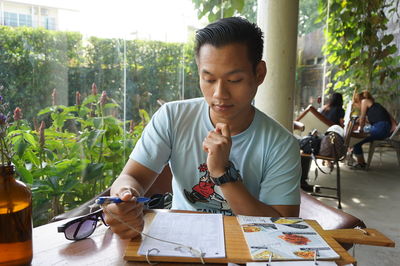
{"type": "Point", "coordinates": [98, 122]}
{"type": "Point", "coordinates": [21, 147]}
{"type": "Point", "coordinates": [22, 172]}
{"type": "Point", "coordinates": [93, 136]}
{"type": "Point", "coordinates": [92, 171]}
{"type": "Point", "coordinates": [90, 99]}
{"type": "Point", "coordinates": [228, 12]}
{"type": "Point", "coordinates": [115, 146]}
{"type": "Point", "coordinates": [83, 111]}
{"type": "Point", "coordinates": [392, 49]}
{"type": "Point", "coordinates": [30, 139]}
{"type": "Point", "coordinates": [110, 105]}
{"type": "Point", "coordinates": [111, 121]}
{"type": "Point", "coordinates": [46, 110]}
{"type": "Point", "coordinates": [387, 39]}
{"type": "Point", "coordinates": [49, 154]}
{"type": "Point", "coordinates": [113, 158]}
{"type": "Point", "coordinates": [238, 5]}
{"type": "Point", "coordinates": [32, 157]}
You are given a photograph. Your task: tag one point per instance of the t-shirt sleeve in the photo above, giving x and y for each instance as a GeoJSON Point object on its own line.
{"type": "Point", "coordinates": [153, 149]}
{"type": "Point", "coordinates": [281, 178]}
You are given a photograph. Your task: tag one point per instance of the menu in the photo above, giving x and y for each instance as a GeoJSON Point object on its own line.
{"type": "Point", "coordinates": [283, 239]}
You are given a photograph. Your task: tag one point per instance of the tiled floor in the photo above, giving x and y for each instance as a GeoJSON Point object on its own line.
{"type": "Point", "coordinates": [374, 197]}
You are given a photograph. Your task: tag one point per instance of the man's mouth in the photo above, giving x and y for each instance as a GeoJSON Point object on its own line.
{"type": "Point", "coordinates": [222, 107]}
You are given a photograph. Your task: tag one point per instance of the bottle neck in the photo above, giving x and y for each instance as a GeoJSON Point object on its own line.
{"type": "Point", "coordinates": [7, 171]}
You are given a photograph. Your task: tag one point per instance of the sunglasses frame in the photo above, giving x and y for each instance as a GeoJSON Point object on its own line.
{"type": "Point", "coordinates": [97, 214]}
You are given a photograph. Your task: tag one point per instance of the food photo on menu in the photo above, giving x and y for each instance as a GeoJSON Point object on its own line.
{"type": "Point", "coordinates": [283, 239]}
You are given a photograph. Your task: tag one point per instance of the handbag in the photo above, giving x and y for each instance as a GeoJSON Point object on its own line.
{"type": "Point", "coordinates": [311, 144]}
{"type": "Point", "coordinates": [332, 145]}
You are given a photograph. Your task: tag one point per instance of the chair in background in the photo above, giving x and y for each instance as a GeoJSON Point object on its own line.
{"type": "Point", "coordinates": [335, 161]}
{"type": "Point", "coordinates": [311, 119]}
{"type": "Point", "coordinates": [391, 142]}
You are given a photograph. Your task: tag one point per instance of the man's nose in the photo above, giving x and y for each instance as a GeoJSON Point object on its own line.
{"type": "Point", "coordinates": [220, 90]}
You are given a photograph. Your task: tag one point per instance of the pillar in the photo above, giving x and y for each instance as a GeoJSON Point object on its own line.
{"type": "Point", "coordinates": [278, 20]}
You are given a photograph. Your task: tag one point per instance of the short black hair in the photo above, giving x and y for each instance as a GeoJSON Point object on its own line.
{"type": "Point", "coordinates": [232, 30]}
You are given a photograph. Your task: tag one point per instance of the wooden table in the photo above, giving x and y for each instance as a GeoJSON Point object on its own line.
{"type": "Point", "coordinates": [106, 248]}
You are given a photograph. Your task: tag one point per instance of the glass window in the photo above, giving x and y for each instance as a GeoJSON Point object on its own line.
{"type": "Point", "coordinates": [49, 23]}
{"type": "Point", "coordinates": [25, 20]}
{"type": "Point", "coordinates": [58, 78]}
{"type": "Point", "coordinates": [10, 19]}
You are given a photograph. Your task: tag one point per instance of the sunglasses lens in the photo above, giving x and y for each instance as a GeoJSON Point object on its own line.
{"type": "Point", "coordinates": [81, 229]}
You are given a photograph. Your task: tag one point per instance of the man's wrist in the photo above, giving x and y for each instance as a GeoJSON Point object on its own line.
{"type": "Point", "coordinates": [230, 175]}
{"type": "Point", "coordinates": [217, 174]}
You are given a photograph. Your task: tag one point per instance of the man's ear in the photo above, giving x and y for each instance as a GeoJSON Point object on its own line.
{"type": "Point", "coordinates": [261, 72]}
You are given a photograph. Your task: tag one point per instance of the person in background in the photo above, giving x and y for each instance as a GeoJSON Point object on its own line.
{"type": "Point", "coordinates": [334, 109]}
{"type": "Point", "coordinates": [382, 124]}
{"type": "Point", "coordinates": [226, 156]}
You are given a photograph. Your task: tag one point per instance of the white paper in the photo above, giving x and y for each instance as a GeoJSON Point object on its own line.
{"type": "Point", "coordinates": [203, 232]}
{"type": "Point", "coordinates": [291, 263]}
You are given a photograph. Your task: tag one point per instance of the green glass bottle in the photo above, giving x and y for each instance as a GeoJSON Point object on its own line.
{"type": "Point", "coordinates": [15, 219]}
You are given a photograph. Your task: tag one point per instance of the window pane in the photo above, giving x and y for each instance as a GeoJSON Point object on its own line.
{"type": "Point", "coordinates": [49, 23]}
{"type": "Point", "coordinates": [25, 20]}
{"type": "Point", "coordinates": [10, 19]}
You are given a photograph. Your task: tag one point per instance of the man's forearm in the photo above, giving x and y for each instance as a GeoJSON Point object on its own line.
{"type": "Point", "coordinates": [126, 181]}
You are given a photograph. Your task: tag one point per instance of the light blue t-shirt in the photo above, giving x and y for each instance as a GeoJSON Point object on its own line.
{"type": "Point", "coordinates": [266, 154]}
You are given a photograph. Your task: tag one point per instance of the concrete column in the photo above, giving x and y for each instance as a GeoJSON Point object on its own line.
{"type": "Point", "coordinates": [278, 19]}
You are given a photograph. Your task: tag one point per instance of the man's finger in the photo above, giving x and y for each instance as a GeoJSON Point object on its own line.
{"type": "Point", "coordinates": [223, 129]}
{"type": "Point", "coordinates": [127, 193]}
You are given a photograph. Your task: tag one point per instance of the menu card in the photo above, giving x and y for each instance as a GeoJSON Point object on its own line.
{"type": "Point", "coordinates": [283, 239]}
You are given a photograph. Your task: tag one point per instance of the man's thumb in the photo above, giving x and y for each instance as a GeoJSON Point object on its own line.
{"type": "Point", "coordinates": [126, 195]}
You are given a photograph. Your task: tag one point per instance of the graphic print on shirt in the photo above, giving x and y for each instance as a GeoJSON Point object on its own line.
{"type": "Point", "coordinates": [204, 196]}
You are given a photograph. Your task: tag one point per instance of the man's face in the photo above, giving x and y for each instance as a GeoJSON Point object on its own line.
{"type": "Point", "coordinates": [228, 81]}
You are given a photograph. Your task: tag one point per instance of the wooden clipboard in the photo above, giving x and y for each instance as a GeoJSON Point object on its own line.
{"type": "Point", "coordinates": [235, 245]}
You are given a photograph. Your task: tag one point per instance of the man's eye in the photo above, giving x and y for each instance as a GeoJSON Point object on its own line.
{"type": "Point", "coordinates": [235, 80]}
{"type": "Point", "coordinates": [209, 80]}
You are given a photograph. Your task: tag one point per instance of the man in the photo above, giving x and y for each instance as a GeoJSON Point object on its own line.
{"type": "Point", "coordinates": [225, 155]}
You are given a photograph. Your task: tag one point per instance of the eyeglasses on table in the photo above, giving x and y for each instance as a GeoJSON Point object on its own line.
{"type": "Point", "coordinates": [81, 227]}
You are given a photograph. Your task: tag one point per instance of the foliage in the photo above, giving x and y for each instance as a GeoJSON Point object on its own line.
{"type": "Point", "coordinates": [308, 16]}
{"type": "Point", "coordinates": [216, 9]}
{"type": "Point", "coordinates": [5, 144]}
{"type": "Point", "coordinates": [359, 48]}
{"type": "Point", "coordinates": [35, 61]}
{"type": "Point", "coordinates": [76, 156]}
{"type": "Point", "coordinates": [80, 148]}
{"type": "Point", "coordinates": [211, 9]}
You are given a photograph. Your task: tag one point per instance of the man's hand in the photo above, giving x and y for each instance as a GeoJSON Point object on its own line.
{"type": "Point", "coordinates": [218, 146]}
{"type": "Point", "coordinates": [130, 212]}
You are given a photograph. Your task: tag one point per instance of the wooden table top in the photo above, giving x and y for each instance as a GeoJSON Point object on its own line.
{"type": "Point", "coordinates": [104, 247]}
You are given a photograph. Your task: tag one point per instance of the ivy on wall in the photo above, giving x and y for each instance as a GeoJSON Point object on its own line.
{"type": "Point", "coordinates": [359, 48]}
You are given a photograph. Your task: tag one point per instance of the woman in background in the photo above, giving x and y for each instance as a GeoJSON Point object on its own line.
{"type": "Point", "coordinates": [334, 109]}
{"type": "Point", "coordinates": [382, 124]}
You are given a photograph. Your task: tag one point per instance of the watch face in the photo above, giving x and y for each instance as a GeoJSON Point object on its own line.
{"type": "Point", "coordinates": [230, 175]}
